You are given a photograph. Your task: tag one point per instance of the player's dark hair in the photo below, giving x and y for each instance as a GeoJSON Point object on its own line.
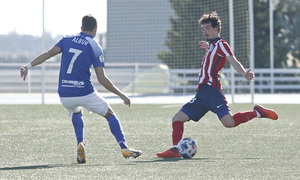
{"type": "Point", "coordinates": [212, 18]}
{"type": "Point", "coordinates": [88, 23]}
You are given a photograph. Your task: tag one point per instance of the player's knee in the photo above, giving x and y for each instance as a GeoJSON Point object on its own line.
{"type": "Point", "coordinates": [109, 113]}
{"type": "Point", "coordinates": [175, 119]}
{"type": "Point", "coordinates": [228, 121]}
{"type": "Point", "coordinates": [228, 125]}
{"type": "Point", "coordinates": [78, 110]}
{"type": "Point", "coordinates": [180, 116]}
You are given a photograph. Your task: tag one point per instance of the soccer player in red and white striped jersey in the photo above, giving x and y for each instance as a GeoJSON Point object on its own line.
{"type": "Point", "coordinates": [209, 95]}
{"type": "Point", "coordinates": [213, 62]}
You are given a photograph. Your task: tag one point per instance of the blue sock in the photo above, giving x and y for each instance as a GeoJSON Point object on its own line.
{"type": "Point", "coordinates": [78, 126]}
{"type": "Point", "coordinates": [116, 130]}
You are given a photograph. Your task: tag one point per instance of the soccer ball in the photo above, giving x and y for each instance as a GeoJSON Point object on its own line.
{"type": "Point", "coordinates": [187, 148]}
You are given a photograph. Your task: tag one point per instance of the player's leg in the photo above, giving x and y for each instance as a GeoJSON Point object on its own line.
{"type": "Point", "coordinates": [230, 121]}
{"type": "Point", "coordinates": [242, 117]}
{"type": "Point", "coordinates": [70, 103]}
{"type": "Point", "coordinates": [178, 126]}
{"type": "Point", "coordinates": [78, 125]}
{"type": "Point", "coordinates": [117, 131]}
{"type": "Point", "coordinates": [218, 105]}
{"type": "Point", "coordinates": [99, 105]}
{"type": "Point", "coordinates": [194, 110]}
{"type": "Point", "coordinates": [116, 128]}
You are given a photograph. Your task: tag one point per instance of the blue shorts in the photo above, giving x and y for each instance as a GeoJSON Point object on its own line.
{"type": "Point", "coordinates": [207, 99]}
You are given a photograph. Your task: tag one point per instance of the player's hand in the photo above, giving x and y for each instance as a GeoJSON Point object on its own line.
{"type": "Point", "coordinates": [125, 99]}
{"type": "Point", "coordinates": [24, 72]}
{"type": "Point", "coordinates": [249, 75]}
{"type": "Point", "coordinates": [204, 45]}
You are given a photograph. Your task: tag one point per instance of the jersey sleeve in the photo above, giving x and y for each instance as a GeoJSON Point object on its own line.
{"type": "Point", "coordinates": [97, 55]}
{"type": "Point", "coordinates": [225, 49]}
{"type": "Point", "coordinates": [60, 44]}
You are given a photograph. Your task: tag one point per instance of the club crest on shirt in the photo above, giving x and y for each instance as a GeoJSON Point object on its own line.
{"type": "Point", "coordinates": [101, 58]}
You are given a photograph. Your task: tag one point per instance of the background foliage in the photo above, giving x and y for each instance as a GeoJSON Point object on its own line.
{"type": "Point", "coordinates": [185, 32]}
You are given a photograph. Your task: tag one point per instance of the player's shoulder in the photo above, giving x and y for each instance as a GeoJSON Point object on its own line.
{"type": "Point", "coordinates": [224, 47]}
{"type": "Point", "coordinates": [70, 36]}
{"type": "Point", "coordinates": [90, 40]}
{"type": "Point", "coordinates": [94, 44]}
{"type": "Point", "coordinates": [222, 42]}
{"type": "Point", "coordinates": [217, 41]}
{"type": "Point", "coordinates": [67, 38]}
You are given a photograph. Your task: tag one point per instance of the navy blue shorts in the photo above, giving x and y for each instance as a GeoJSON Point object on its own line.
{"type": "Point", "coordinates": [207, 99]}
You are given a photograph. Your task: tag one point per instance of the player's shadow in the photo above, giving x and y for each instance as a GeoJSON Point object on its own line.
{"type": "Point", "coordinates": [36, 167]}
{"type": "Point", "coordinates": [174, 160]}
{"type": "Point", "coordinates": [27, 167]}
{"type": "Point", "coordinates": [51, 166]}
{"type": "Point", "coordinates": [182, 159]}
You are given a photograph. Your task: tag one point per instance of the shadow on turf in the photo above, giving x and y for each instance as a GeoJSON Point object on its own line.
{"type": "Point", "coordinates": [52, 166]}
{"type": "Point", "coordinates": [75, 164]}
{"type": "Point", "coordinates": [37, 167]}
{"type": "Point", "coordinates": [182, 159]}
{"type": "Point", "coordinates": [174, 160]}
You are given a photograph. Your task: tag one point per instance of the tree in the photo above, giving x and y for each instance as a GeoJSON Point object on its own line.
{"type": "Point", "coordinates": [286, 32]}
{"type": "Point", "coordinates": [262, 34]}
{"type": "Point", "coordinates": [287, 22]}
{"type": "Point", "coordinates": [184, 35]}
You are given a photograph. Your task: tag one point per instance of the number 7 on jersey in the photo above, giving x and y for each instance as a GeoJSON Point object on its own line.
{"type": "Point", "coordinates": [76, 54]}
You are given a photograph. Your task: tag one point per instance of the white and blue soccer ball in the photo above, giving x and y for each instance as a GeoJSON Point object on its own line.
{"type": "Point", "coordinates": [187, 147]}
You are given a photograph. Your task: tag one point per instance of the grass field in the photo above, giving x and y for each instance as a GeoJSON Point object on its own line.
{"type": "Point", "coordinates": [38, 142]}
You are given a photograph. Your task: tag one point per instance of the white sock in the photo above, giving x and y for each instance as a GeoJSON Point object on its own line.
{"type": "Point", "coordinates": [174, 146]}
{"type": "Point", "coordinates": [257, 114]}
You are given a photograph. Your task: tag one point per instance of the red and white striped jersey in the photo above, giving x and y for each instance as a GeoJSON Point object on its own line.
{"type": "Point", "coordinates": [213, 62]}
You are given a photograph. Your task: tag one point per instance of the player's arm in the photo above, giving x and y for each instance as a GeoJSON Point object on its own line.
{"type": "Point", "coordinates": [240, 68]}
{"type": "Point", "coordinates": [105, 81]}
{"type": "Point", "coordinates": [39, 60]}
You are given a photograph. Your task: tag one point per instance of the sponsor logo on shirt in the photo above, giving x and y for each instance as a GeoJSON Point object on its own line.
{"type": "Point", "coordinates": [72, 83]}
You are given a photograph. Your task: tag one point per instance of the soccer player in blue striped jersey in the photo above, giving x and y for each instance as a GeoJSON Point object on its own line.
{"type": "Point", "coordinates": [79, 53]}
